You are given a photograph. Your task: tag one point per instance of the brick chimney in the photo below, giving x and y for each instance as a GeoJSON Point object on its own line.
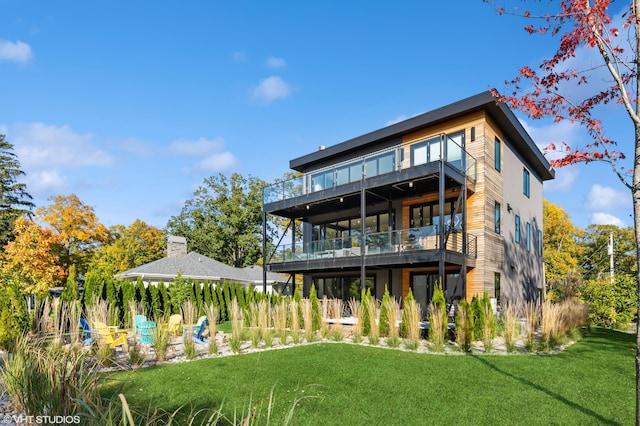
{"type": "Point", "coordinates": [176, 246]}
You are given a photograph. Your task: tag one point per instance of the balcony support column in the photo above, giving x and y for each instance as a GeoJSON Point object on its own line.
{"type": "Point", "coordinates": [363, 218]}
{"type": "Point", "coordinates": [264, 251]}
{"type": "Point", "coordinates": [441, 230]}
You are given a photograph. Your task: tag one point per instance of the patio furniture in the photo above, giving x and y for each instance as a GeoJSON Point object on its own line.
{"type": "Point", "coordinates": [173, 326]}
{"type": "Point", "coordinates": [86, 329]}
{"type": "Point", "coordinates": [146, 330]}
{"type": "Point", "coordinates": [137, 320]}
{"type": "Point", "coordinates": [197, 330]}
{"type": "Point", "coordinates": [110, 337]}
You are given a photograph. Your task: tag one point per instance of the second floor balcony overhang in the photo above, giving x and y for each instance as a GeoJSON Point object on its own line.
{"type": "Point", "coordinates": [393, 173]}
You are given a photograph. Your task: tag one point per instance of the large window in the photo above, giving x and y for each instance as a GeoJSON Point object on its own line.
{"type": "Point", "coordinates": [528, 236]}
{"type": "Point", "coordinates": [539, 243]}
{"type": "Point", "coordinates": [343, 288]}
{"type": "Point", "coordinates": [428, 214]}
{"type": "Point", "coordinates": [517, 229]}
{"type": "Point", "coordinates": [322, 180]}
{"type": "Point", "coordinates": [496, 217]}
{"type": "Point", "coordinates": [526, 182]}
{"type": "Point", "coordinates": [497, 154]}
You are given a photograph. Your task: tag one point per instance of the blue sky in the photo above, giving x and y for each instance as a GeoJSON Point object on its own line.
{"type": "Point", "coordinates": [130, 105]}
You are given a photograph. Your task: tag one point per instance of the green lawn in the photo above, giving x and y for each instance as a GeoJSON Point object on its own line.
{"type": "Point", "coordinates": [592, 382]}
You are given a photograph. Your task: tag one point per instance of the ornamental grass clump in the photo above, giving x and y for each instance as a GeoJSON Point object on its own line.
{"type": "Point", "coordinates": [264, 322]}
{"type": "Point", "coordinates": [436, 336]}
{"type": "Point", "coordinates": [532, 317]}
{"type": "Point", "coordinates": [161, 340]}
{"type": "Point", "coordinates": [211, 312]}
{"type": "Point", "coordinates": [372, 313]}
{"type": "Point", "coordinates": [392, 308]}
{"type": "Point", "coordinates": [336, 307]}
{"type": "Point", "coordinates": [355, 307]}
{"type": "Point", "coordinates": [464, 326]}
{"type": "Point", "coordinates": [237, 325]}
{"type": "Point", "coordinates": [307, 315]}
{"type": "Point", "coordinates": [41, 379]}
{"type": "Point", "coordinates": [489, 325]}
{"type": "Point", "coordinates": [280, 312]}
{"type": "Point", "coordinates": [189, 314]}
{"type": "Point", "coordinates": [552, 325]}
{"type": "Point", "coordinates": [510, 327]}
{"type": "Point", "coordinates": [255, 334]}
{"type": "Point", "coordinates": [295, 321]}
{"type": "Point", "coordinates": [410, 325]}
{"type": "Point", "coordinates": [324, 318]}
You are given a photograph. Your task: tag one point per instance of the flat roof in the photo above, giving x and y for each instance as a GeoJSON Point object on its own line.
{"type": "Point", "coordinates": [485, 101]}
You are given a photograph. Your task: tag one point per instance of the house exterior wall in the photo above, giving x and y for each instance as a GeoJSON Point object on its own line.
{"type": "Point", "coordinates": [496, 254]}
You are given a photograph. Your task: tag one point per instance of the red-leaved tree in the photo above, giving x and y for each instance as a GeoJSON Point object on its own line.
{"type": "Point", "coordinates": [558, 91]}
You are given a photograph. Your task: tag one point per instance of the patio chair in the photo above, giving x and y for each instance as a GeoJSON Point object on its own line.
{"type": "Point", "coordinates": [173, 326]}
{"type": "Point", "coordinates": [86, 329]}
{"type": "Point", "coordinates": [111, 338]}
{"type": "Point", "coordinates": [197, 331]}
{"type": "Point", "coordinates": [137, 320]}
{"type": "Point", "coordinates": [146, 329]}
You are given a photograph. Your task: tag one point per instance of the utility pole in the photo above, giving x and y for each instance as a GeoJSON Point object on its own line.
{"type": "Point", "coordinates": [610, 252]}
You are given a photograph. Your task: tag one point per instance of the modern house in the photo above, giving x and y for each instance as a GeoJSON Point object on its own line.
{"type": "Point", "coordinates": [453, 195]}
{"type": "Point", "coordinates": [200, 268]}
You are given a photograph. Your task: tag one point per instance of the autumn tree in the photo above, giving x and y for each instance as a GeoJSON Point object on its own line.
{"type": "Point", "coordinates": [223, 220]}
{"type": "Point", "coordinates": [132, 246]}
{"type": "Point", "coordinates": [78, 226]}
{"type": "Point", "coordinates": [15, 201]}
{"type": "Point", "coordinates": [562, 251]}
{"type": "Point", "coordinates": [32, 258]}
{"type": "Point", "coordinates": [560, 92]}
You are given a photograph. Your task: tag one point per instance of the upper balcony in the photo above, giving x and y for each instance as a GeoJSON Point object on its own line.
{"type": "Point", "coordinates": [399, 158]}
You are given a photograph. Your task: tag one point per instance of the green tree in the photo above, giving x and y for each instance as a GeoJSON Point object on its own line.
{"type": "Point", "coordinates": [71, 291]}
{"type": "Point", "coordinates": [14, 319]}
{"type": "Point", "coordinates": [15, 201]}
{"type": "Point", "coordinates": [316, 318]}
{"type": "Point", "coordinates": [383, 321]}
{"type": "Point", "coordinates": [179, 292]}
{"type": "Point", "coordinates": [223, 220]}
{"type": "Point", "coordinates": [595, 259]}
{"type": "Point", "coordinates": [562, 251]}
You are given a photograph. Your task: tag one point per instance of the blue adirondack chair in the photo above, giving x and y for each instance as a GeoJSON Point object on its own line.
{"type": "Point", "coordinates": [146, 329]}
{"type": "Point", "coordinates": [137, 320]}
{"type": "Point", "coordinates": [86, 329]}
{"type": "Point", "coordinates": [196, 332]}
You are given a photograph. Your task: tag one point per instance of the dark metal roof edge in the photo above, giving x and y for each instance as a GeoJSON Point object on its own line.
{"type": "Point", "coordinates": [481, 101]}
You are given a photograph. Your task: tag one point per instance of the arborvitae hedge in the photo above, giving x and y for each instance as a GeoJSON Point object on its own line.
{"type": "Point", "coordinates": [478, 317]}
{"type": "Point", "coordinates": [197, 290]}
{"type": "Point", "coordinates": [128, 295]}
{"type": "Point", "coordinates": [439, 300]}
{"type": "Point", "coordinates": [14, 319]}
{"type": "Point", "coordinates": [156, 302]}
{"type": "Point", "coordinates": [164, 297]}
{"type": "Point", "coordinates": [222, 308]}
{"type": "Point", "coordinates": [490, 318]}
{"type": "Point", "coordinates": [365, 299]}
{"type": "Point", "coordinates": [226, 290]}
{"type": "Point", "coordinates": [71, 291]}
{"type": "Point", "coordinates": [464, 334]}
{"type": "Point", "coordinates": [316, 318]}
{"type": "Point", "coordinates": [383, 321]}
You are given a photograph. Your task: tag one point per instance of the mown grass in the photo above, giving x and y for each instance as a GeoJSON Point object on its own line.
{"type": "Point", "coordinates": [592, 382]}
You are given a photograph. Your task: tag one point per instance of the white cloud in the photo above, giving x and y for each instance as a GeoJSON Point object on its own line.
{"type": "Point", "coordinates": [606, 198]}
{"type": "Point", "coordinates": [214, 156]}
{"type": "Point", "coordinates": [275, 62]}
{"type": "Point", "coordinates": [136, 146]}
{"type": "Point", "coordinates": [270, 89]}
{"type": "Point", "coordinates": [564, 131]}
{"type": "Point", "coordinates": [602, 218]}
{"type": "Point", "coordinates": [564, 181]}
{"type": "Point", "coordinates": [43, 146]}
{"type": "Point", "coordinates": [401, 118]}
{"type": "Point", "coordinates": [48, 152]}
{"type": "Point", "coordinates": [15, 51]}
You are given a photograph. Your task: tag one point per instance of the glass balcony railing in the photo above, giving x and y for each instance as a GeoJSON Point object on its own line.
{"type": "Point", "coordinates": [378, 163]}
{"type": "Point", "coordinates": [404, 240]}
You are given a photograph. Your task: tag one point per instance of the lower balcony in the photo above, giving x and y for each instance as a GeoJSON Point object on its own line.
{"type": "Point", "coordinates": [390, 247]}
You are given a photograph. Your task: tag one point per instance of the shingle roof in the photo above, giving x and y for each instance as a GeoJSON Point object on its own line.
{"type": "Point", "coordinates": [198, 267]}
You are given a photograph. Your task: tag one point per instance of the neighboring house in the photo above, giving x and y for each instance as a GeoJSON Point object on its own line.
{"type": "Point", "coordinates": [453, 195]}
{"type": "Point", "coordinates": [200, 268]}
